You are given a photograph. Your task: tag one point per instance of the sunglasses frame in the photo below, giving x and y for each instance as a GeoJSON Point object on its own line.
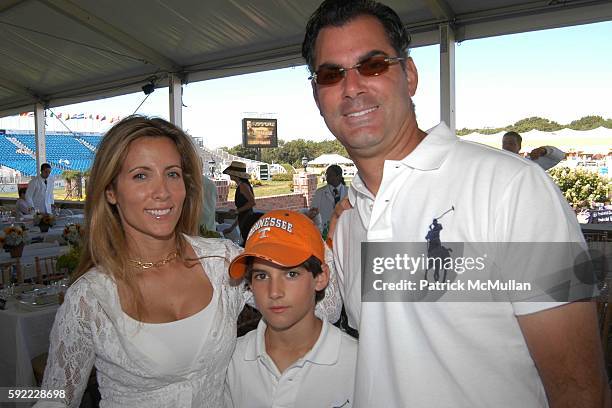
{"type": "Point", "coordinates": [343, 71]}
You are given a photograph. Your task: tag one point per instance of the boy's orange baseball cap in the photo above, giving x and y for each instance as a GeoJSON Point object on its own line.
{"type": "Point", "coordinates": [286, 238]}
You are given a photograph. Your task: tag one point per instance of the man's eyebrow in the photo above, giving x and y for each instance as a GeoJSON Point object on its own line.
{"type": "Point", "coordinates": [362, 58]}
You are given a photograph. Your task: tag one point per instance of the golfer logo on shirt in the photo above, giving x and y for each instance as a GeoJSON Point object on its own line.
{"type": "Point", "coordinates": [437, 254]}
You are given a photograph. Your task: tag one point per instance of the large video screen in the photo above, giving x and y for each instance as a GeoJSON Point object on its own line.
{"type": "Point", "coordinates": [257, 132]}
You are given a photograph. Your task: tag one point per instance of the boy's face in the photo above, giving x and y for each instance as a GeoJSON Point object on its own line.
{"type": "Point", "coordinates": [285, 296]}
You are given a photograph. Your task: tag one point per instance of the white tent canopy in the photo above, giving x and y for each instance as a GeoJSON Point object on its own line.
{"type": "Point", "coordinates": [329, 159]}
{"type": "Point", "coordinates": [597, 140]}
{"type": "Point", "coordinates": [57, 52]}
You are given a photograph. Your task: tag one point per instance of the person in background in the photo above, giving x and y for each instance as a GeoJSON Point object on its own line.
{"type": "Point", "coordinates": [326, 198]}
{"type": "Point", "coordinates": [293, 359]}
{"type": "Point", "coordinates": [209, 204]}
{"type": "Point", "coordinates": [21, 206]}
{"type": "Point", "coordinates": [39, 194]}
{"type": "Point", "coordinates": [545, 156]}
{"type": "Point", "coordinates": [244, 199]}
{"type": "Point", "coordinates": [411, 182]}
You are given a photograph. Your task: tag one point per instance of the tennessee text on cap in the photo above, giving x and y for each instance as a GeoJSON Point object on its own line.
{"type": "Point", "coordinates": [284, 237]}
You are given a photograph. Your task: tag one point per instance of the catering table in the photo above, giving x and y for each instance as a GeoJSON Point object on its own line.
{"type": "Point", "coordinates": [30, 252]}
{"type": "Point", "coordinates": [24, 335]}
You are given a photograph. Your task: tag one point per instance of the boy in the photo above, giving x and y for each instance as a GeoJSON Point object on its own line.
{"type": "Point", "coordinates": [293, 359]}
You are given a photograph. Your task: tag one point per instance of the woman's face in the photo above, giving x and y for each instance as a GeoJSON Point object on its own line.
{"type": "Point", "coordinates": [149, 190]}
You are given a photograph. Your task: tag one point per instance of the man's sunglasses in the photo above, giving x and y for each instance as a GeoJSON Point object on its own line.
{"type": "Point", "coordinates": [372, 66]}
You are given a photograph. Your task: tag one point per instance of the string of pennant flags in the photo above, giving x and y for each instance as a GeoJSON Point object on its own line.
{"type": "Point", "coordinates": [74, 116]}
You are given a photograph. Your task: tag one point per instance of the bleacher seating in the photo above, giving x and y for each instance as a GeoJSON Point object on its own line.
{"type": "Point", "coordinates": [64, 151]}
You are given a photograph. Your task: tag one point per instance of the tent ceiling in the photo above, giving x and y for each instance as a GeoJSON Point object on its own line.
{"type": "Point", "coordinates": [67, 51]}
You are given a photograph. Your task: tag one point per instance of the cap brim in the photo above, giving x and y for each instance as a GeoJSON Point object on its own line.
{"type": "Point", "coordinates": [280, 254]}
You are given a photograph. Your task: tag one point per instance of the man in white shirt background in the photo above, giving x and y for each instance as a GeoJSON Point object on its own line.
{"type": "Point", "coordinates": [545, 156]}
{"type": "Point", "coordinates": [326, 197]}
{"type": "Point", "coordinates": [39, 194]}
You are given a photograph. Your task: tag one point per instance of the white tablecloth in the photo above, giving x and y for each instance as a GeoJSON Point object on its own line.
{"type": "Point", "coordinates": [24, 335]}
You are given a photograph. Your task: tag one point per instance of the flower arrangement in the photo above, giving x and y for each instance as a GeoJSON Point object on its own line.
{"type": "Point", "coordinates": [15, 236]}
{"type": "Point", "coordinates": [47, 219]}
{"type": "Point", "coordinates": [73, 234]}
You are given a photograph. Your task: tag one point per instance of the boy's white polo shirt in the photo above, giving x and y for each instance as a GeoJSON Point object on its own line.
{"type": "Point", "coordinates": [324, 377]}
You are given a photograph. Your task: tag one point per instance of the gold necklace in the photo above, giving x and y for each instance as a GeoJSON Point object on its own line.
{"type": "Point", "coordinates": [148, 265]}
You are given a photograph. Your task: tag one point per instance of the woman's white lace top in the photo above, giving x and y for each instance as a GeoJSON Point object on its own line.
{"type": "Point", "coordinates": [90, 329]}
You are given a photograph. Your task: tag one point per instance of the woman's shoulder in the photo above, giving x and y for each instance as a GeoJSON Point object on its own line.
{"type": "Point", "coordinates": [214, 247]}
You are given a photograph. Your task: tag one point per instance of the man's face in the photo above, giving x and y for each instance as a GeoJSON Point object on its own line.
{"type": "Point", "coordinates": [369, 115]}
{"type": "Point", "coordinates": [332, 178]}
{"type": "Point", "coordinates": [511, 144]}
{"type": "Point", "coordinates": [45, 173]}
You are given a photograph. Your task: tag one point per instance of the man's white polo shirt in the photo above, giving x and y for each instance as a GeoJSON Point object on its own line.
{"type": "Point", "coordinates": [441, 354]}
{"type": "Point", "coordinates": [324, 377]}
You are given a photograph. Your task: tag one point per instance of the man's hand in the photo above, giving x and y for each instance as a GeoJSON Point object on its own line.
{"type": "Point", "coordinates": [342, 205]}
{"type": "Point", "coordinates": [539, 152]}
{"type": "Point", "coordinates": [565, 346]}
{"type": "Point", "coordinates": [312, 212]}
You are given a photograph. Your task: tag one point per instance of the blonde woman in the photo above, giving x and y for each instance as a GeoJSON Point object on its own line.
{"type": "Point", "coordinates": [151, 307]}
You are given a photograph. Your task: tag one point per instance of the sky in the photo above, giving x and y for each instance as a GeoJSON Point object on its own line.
{"type": "Point", "coordinates": [560, 74]}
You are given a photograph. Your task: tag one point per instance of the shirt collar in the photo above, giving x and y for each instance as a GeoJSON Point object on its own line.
{"type": "Point", "coordinates": [433, 149]}
{"type": "Point", "coordinates": [325, 351]}
{"type": "Point", "coordinates": [428, 155]}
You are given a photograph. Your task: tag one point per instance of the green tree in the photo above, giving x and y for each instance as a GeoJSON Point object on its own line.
{"type": "Point", "coordinates": [587, 123]}
{"type": "Point", "coordinates": [525, 125]}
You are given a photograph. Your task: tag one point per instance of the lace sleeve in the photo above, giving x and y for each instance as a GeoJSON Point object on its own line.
{"type": "Point", "coordinates": [71, 353]}
{"type": "Point", "coordinates": [330, 306]}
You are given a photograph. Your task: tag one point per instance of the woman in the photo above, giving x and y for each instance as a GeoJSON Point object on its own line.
{"type": "Point", "coordinates": [151, 307]}
{"type": "Point", "coordinates": [244, 199]}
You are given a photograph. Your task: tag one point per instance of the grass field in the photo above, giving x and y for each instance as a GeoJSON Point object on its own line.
{"type": "Point", "coordinates": [268, 188]}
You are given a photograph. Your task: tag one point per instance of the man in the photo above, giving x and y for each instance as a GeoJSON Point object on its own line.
{"type": "Point", "coordinates": [326, 198]}
{"type": "Point", "coordinates": [440, 354]}
{"type": "Point", "coordinates": [39, 194]}
{"type": "Point", "coordinates": [545, 156]}
{"type": "Point", "coordinates": [209, 204]}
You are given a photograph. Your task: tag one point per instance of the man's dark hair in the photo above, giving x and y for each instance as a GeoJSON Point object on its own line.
{"type": "Point", "coordinates": [515, 135]}
{"type": "Point", "coordinates": [339, 12]}
{"type": "Point", "coordinates": [44, 166]}
{"type": "Point", "coordinates": [312, 265]}
{"type": "Point", "coordinates": [338, 171]}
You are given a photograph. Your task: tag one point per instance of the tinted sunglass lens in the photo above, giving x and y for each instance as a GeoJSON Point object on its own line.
{"type": "Point", "coordinates": [329, 76]}
{"type": "Point", "coordinates": [373, 66]}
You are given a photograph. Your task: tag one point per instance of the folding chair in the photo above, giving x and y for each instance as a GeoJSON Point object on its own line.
{"type": "Point", "coordinates": [46, 269]}
{"type": "Point", "coordinates": [10, 268]}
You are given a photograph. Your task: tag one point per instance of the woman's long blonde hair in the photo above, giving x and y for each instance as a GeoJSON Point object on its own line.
{"type": "Point", "coordinates": [105, 244]}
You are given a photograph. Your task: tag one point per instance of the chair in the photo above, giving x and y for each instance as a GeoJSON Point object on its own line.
{"type": "Point", "coordinates": [600, 247]}
{"type": "Point", "coordinates": [46, 269]}
{"type": "Point", "coordinates": [11, 268]}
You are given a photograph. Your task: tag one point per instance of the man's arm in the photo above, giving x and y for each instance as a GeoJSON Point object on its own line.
{"type": "Point", "coordinates": [51, 198]}
{"type": "Point", "coordinates": [566, 349]}
{"type": "Point", "coordinates": [30, 193]}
